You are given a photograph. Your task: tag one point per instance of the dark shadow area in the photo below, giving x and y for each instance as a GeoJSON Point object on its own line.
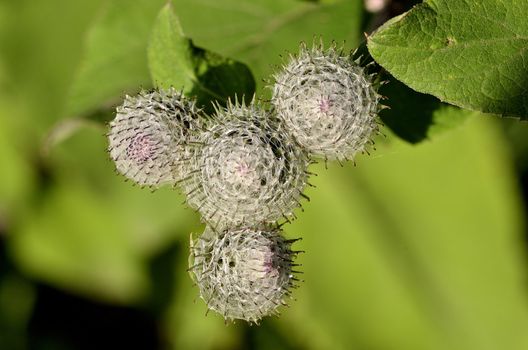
{"type": "Point", "coordinates": [393, 8]}
{"type": "Point", "coordinates": [220, 79]}
{"type": "Point", "coordinates": [516, 133]}
{"type": "Point", "coordinates": [162, 272]}
{"type": "Point", "coordinates": [266, 336]}
{"type": "Point", "coordinates": [61, 320]}
{"type": "Point", "coordinates": [397, 7]}
{"type": "Point", "coordinates": [411, 113]}
{"type": "Point", "coordinates": [523, 180]}
{"type": "Point", "coordinates": [14, 303]}
{"type": "Point", "coordinates": [64, 321]}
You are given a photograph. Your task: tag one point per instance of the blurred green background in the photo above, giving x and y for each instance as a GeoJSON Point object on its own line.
{"type": "Point", "coordinates": [422, 245]}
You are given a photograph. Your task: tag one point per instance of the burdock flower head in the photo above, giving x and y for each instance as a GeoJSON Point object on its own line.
{"type": "Point", "coordinates": [327, 101]}
{"type": "Point", "coordinates": [243, 273]}
{"type": "Point", "coordinates": [249, 170]}
{"type": "Point", "coordinates": [153, 135]}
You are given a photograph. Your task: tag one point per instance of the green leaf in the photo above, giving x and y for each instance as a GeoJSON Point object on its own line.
{"type": "Point", "coordinates": [258, 32]}
{"type": "Point", "coordinates": [74, 242]}
{"type": "Point", "coordinates": [175, 62]}
{"type": "Point", "coordinates": [91, 232]}
{"type": "Point", "coordinates": [417, 250]}
{"type": "Point", "coordinates": [40, 47]}
{"type": "Point", "coordinates": [17, 179]}
{"type": "Point", "coordinates": [473, 54]}
{"type": "Point", "coordinates": [115, 58]}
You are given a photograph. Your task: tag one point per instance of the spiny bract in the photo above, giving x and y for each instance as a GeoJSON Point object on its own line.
{"type": "Point", "coordinates": [243, 273]}
{"type": "Point", "coordinates": [152, 136]}
{"type": "Point", "coordinates": [327, 101]}
{"type": "Point", "coordinates": [249, 171]}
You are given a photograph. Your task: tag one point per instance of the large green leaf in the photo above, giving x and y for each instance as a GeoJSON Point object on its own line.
{"type": "Point", "coordinates": [34, 82]}
{"type": "Point", "coordinates": [473, 54]}
{"type": "Point", "coordinates": [115, 58]}
{"type": "Point", "coordinates": [417, 249]}
{"type": "Point", "coordinates": [175, 62]}
{"type": "Point", "coordinates": [92, 233]}
{"type": "Point", "coordinates": [40, 48]}
{"type": "Point", "coordinates": [75, 242]}
{"type": "Point", "coordinates": [257, 32]}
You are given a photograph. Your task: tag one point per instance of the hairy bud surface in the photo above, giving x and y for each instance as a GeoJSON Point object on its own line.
{"type": "Point", "coordinates": [250, 171]}
{"type": "Point", "coordinates": [152, 136]}
{"type": "Point", "coordinates": [243, 273]}
{"type": "Point", "coordinates": [327, 101]}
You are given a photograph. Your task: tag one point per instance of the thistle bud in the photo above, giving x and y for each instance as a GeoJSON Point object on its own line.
{"type": "Point", "coordinates": [249, 171]}
{"type": "Point", "coordinates": [327, 101]}
{"type": "Point", "coordinates": [152, 135]}
{"type": "Point", "coordinates": [243, 273]}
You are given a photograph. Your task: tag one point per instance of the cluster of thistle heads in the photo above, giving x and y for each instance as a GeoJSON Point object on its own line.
{"type": "Point", "coordinates": [245, 167]}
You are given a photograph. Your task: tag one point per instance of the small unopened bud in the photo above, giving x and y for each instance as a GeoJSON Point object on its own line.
{"type": "Point", "coordinates": [249, 171]}
{"type": "Point", "coordinates": [243, 273]}
{"type": "Point", "coordinates": [327, 101]}
{"type": "Point", "coordinates": [152, 135]}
